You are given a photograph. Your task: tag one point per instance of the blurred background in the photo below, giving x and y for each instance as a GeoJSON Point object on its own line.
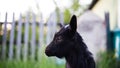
{"type": "Point", "coordinates": [28, 26]}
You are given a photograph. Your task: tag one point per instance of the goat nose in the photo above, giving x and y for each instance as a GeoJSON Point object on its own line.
{"type": "Point", "coordinates": [47, 51]}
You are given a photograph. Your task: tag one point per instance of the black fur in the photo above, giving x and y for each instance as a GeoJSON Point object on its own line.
{"type": "Point", "coordinates": [69, 44]}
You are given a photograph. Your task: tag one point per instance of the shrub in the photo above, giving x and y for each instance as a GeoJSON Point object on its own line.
{"type": "Point", "coordinates": [107, 60]}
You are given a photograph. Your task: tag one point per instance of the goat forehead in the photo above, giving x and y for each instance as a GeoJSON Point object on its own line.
{"type": "Point", "coordinates": [63, 31]}
{"type": "Point", "coordinates": [66, 26]}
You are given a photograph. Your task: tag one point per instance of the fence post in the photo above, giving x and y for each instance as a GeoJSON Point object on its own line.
{"type": "Point", "coordinates": [48, 30]}
{"type": "Point", "coordinates": [26, 38]}
{"type": "Point", "coordinates": [110, 46]}
{"type": "Point", "coordinates": [4, 38]}
{"type": "Point", "coordinates": [18, 48]}
{"type": "Point", "coordinates": [12, 39]}
{"type": "Point", "coordinates": [54, 24]}
{"type": "Point", "coordinates": [51, 27]}
{"type": "Point", "coordinates": [41, 37]}
{"type": "Point", "coordinates": [33, 40]}
{"type": "Point", "coordinates": [61, 18]}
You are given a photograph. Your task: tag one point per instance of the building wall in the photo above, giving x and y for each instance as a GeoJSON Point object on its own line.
{"type": "Point", "coordinates": [107, 6]}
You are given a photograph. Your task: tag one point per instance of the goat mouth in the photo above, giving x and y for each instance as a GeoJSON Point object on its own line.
{"type": "Point", "coordinates": [49, 54]}
{"type": "Point", "coordinates": [59, 57]}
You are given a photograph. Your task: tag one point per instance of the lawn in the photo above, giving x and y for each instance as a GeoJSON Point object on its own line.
{"type": "Point", "coordinates": [30, 64]}
{"type": "Point", "coordinates": [42, 62]}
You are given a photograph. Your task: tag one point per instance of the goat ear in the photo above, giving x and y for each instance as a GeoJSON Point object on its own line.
{"type": "Point", "coordinates": [61, 25]}
{"type": "Point", "coordinates": [73, 24]}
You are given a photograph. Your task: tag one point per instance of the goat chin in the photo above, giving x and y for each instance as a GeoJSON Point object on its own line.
{"type": "Point", "coordinates": [49, 55]}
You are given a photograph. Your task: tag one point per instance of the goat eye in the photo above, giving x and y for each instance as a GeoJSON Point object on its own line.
{"type": "Point", "coordinates": [59, 38]}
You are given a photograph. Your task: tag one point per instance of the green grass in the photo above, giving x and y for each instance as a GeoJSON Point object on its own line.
{"type": "Point", "coordinates": [44, 62]}
{"type": "Point", "coordinates": [30, 64]}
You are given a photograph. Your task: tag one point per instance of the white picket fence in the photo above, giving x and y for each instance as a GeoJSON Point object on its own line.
{"type": "Point", "coordinates": [28, 49]}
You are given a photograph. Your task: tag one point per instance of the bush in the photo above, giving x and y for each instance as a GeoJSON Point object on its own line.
{"type": "Point", "coordinates": [107, 60]}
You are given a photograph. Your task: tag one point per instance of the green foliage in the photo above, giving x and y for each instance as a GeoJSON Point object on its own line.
{"type": "Point", "coordinates": [107, 60]}
{"type": "Point", "coordinates": [71, 10]}
{"type": "Point", "coordinates": [67, 16]}
{"type": "Point", "coordinates": [75, 5]}
{"type": "Point", "coordinates": [58, 16]}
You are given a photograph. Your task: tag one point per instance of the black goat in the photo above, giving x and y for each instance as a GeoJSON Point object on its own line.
{"type": "Point", "coordinates": [69, 44]}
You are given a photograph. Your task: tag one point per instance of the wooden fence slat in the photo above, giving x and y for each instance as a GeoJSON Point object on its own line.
{"type": "Point", "coordinates": [117, 47]}
{"type": "Point", "coordinates": [51, 28]}
{"type": "Point", "coordinates": [48, 31]}
{"type": "Point", "coordinates": [41, 26]}
{"type": "Point", "coordinates": [41, 37]}
{"type": "Point", "coordinates": [61, 18]}
{"type": "Point", "coordinates": [33, 40]}
{"type": "Point", "coordinates": [4, 38]}
{"type": "Point", "coordinates": [18, 48]}
{"type": "Point", "coordinates": [25, 53]}
{"type": "Point", "coordinates": [12, 39]}
{"type": "Point", "coordinates": [54, 24]}
{"type": "Point", "coordinates": [22, 50]}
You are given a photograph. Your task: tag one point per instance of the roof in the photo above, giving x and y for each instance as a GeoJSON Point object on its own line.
{"type": "Point", "coordinates": [92, 4]}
